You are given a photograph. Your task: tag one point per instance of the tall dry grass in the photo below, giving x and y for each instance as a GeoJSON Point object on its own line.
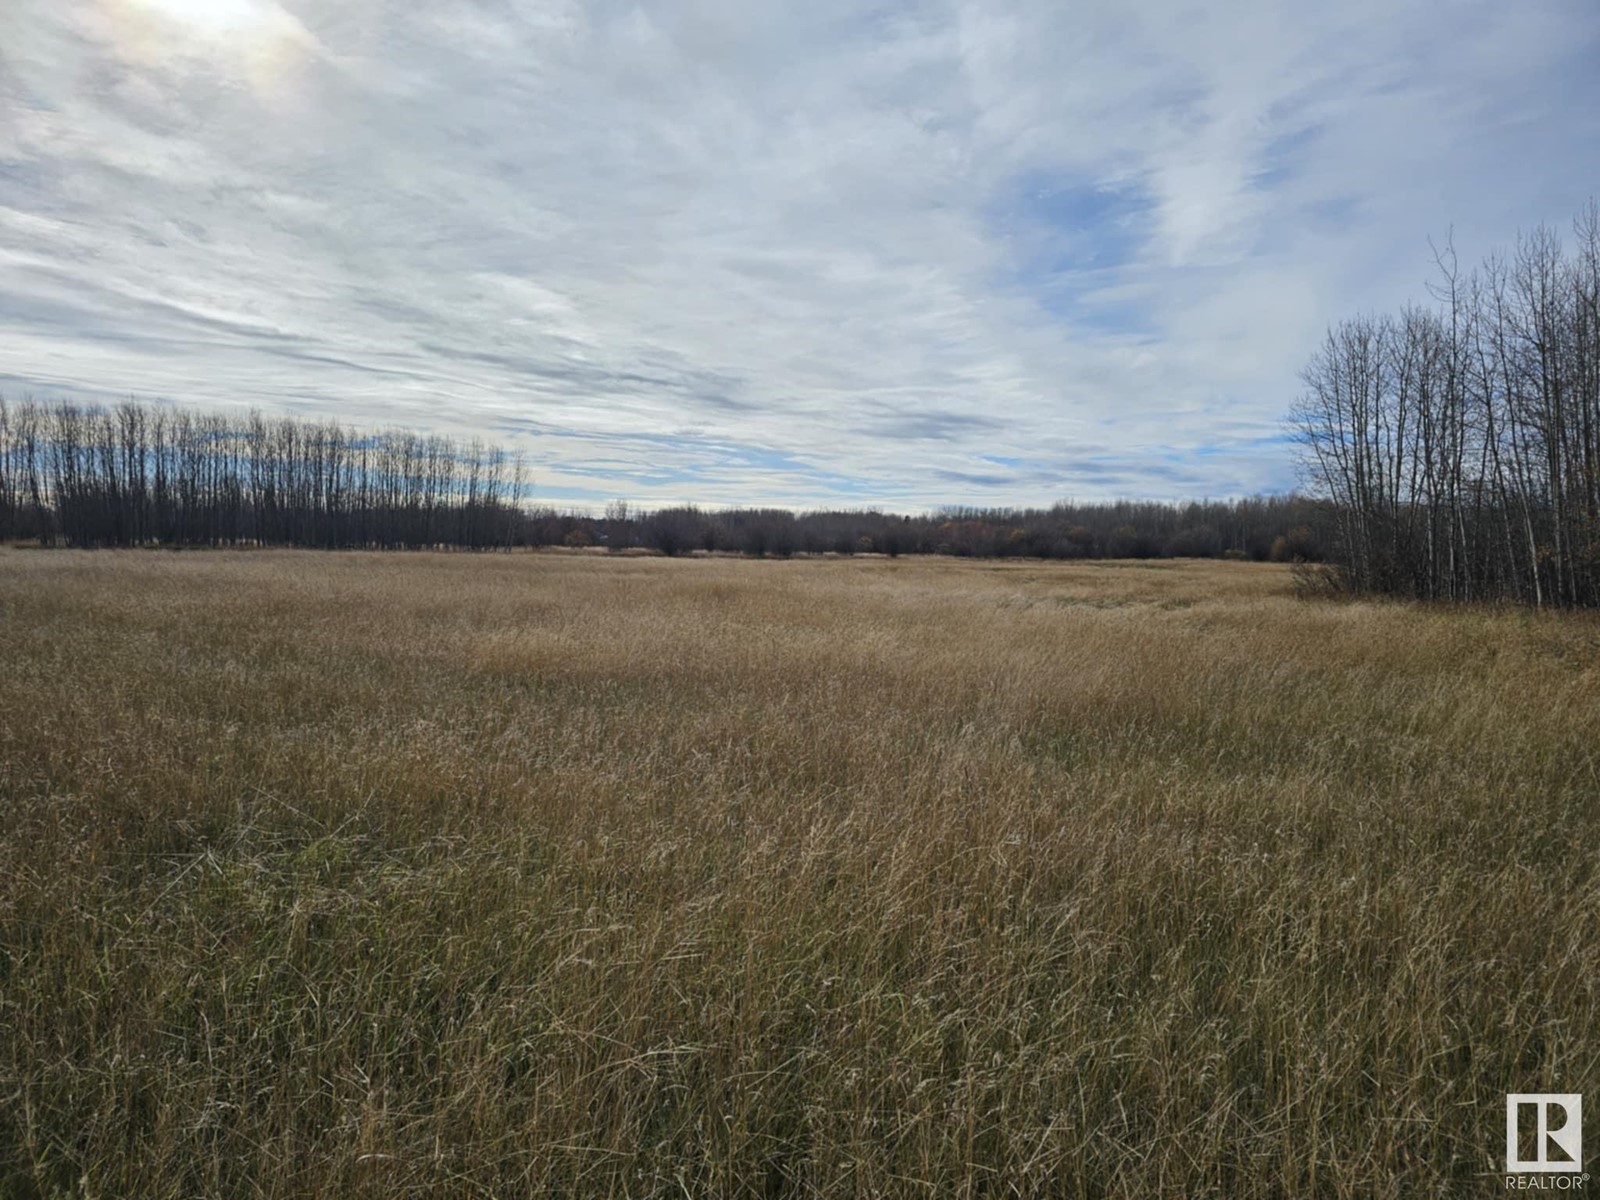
{"type": "Point", "coordinates": [434, 875]}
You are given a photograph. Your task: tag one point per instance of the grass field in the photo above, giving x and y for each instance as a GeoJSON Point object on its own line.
{"type": "Point", "coordinates": [558, 875]}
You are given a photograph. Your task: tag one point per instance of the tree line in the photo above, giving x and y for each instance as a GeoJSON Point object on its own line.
{"type": "Point", "coordinates": [139, 474]}
{"type": "Point", "coordinates": [136, 474]}
{"type": "Point", "coordinates": [1458, 442]}
{"type": "Point", "coordinates": [1283, 528]}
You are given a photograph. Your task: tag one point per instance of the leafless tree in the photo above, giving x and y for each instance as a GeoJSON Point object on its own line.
{"type": "Point", "coordinates": [1458, 444]}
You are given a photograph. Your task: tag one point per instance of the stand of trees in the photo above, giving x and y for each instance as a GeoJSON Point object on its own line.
{"type": "Point", "coordinates": [1459, 443]}
{"type": "Point", "coordinates": [1284, 528]}
{"type": "Point", "coordinates": [140, 474]}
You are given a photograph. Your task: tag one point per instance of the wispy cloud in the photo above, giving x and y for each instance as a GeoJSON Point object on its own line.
{"type": "Point", "coordinates": [744, 251]}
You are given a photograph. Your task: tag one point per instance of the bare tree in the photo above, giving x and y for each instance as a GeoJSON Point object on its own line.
{"type": "Point", "coordinates": [1458, 445]}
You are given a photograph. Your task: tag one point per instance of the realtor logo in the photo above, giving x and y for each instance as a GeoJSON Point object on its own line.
{"type": "Point", "coordinates": [1555, 1123]}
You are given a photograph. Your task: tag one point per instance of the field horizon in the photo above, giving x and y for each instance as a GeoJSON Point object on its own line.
{"type": "Point", "coordinates": [573, 874]}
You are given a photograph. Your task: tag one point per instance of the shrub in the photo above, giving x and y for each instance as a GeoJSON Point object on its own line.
{"type": "Point", "coordinates": [1298, 545]}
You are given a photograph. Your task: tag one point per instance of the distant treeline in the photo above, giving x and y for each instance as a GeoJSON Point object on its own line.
{"type": "Point", "coordinates": [1459, 443]}
{"type": "Point", "coordinates": [138, 474]}
{"type": "Point", "coordinates": [1284, 528]}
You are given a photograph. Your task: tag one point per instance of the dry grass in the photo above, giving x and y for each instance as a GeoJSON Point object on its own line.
{"type": "Point", "coordinates": [352, 876]}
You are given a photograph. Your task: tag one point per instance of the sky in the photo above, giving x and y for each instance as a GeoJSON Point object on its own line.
{"type": "Point", "coordinates": [820, 254]}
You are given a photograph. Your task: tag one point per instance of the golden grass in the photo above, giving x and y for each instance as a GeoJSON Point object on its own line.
{"type": "Point", "coordinates": [554, 875]}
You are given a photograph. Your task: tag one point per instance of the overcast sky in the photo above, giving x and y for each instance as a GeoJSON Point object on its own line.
{"type": "Point", "coordinates": [729, 251]}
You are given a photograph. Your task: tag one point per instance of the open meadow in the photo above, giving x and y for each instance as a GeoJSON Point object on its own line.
{"type": "Point", "coordinates": [391, 875]}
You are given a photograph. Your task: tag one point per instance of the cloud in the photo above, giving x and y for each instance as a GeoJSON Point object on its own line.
{"type": "Point", "coordinates": [763, 252]}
